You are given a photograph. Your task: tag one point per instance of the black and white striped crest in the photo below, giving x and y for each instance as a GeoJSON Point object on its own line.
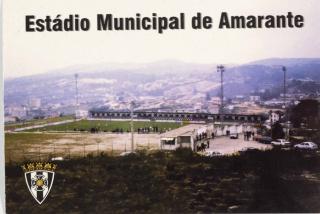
{"type": "Point", "coordinates": [39, 183]}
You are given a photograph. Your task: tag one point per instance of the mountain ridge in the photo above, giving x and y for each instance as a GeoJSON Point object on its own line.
{"type": "Point", "coordinates": [158, 79]}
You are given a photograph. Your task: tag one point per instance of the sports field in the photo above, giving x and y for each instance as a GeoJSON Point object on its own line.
{"type": "Point", "coordinates": [80, 138]}
{"type": "Point", "coordinates": [110, 126]}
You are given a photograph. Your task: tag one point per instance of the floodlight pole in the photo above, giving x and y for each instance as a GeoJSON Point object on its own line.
{"type": "Point", "coordinates": [284, 86]}
{"type": "Point", "coordinates": [77, 99]}
{"type": "Point", "coordinates": [131, 126]}
{"type": "Point", "coordinates": [221, 69]}
{"type": "Point", "coordinates": [284, 69]}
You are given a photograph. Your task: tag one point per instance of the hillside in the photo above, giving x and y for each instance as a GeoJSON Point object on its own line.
{"type": "Point", "coordinates": [169, 79]}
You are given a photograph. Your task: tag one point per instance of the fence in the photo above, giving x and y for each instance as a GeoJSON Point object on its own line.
{"type": "Point", "coordinates": [52, 151]}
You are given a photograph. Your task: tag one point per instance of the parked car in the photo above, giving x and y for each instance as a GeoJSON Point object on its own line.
{"type": "Point", "coordinates": [234, 136]}
{"type": "Point", "coordinates": [211, 153]}
{"type": "Point", "coordinates": [281, 143]}
{"type": "Point", "coordinates": [248, 149]}
{"type": "Point", "coordinates": [127, 153]}
{"type": "Point", "coordinates": [306, 146]}
{"type": "Point", "coordinates": [265, 139]}
{"type": "Point", "coordinates": [57, 159]}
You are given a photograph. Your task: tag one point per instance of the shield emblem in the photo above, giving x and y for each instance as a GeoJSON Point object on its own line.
{"type": "Point", "coordinates": [39, 183]}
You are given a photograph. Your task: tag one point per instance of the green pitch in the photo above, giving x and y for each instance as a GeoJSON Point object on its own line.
{"type": "Point", "coordinates": [110, 126]}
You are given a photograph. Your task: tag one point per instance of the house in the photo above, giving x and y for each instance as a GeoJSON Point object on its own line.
{"type": "Point", "coordinates": [82, 113]}
{"type": "Point", "coordinates": [10, 119]}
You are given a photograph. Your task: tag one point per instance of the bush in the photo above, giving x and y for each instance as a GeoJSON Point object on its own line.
{"type": "Point", "coordinates": [176, 182]}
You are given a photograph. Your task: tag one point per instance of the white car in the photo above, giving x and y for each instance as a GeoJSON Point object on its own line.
{"type": "Point", "coordinates": [234, 136]}
{"type": "Point", "coordinates": [127, 153]}
{"type": "Point", "coordinates": [281, 142]}
{"type": "Point", "coordinates": [306, 145]}
{"type": "Point", "coordinates": [211, 153]}
{"type": "Point", "coordinates": [57, 159]}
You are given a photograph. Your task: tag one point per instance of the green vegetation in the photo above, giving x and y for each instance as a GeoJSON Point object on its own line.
{"type": "Point", "coordinates": [109, 126]}
{"type": "Point", "coordinates": [306, 113]}
{"type": "Point", "coordinates": [19, 145]}
{"type": "Point", "coordinates": [17, 140]}
{"type": "Point", "coordinates": [23, 124]}
{"type": "Point", "coordinates": [277, 131]}
{"type": "Point", "coordinates": [176, 182]}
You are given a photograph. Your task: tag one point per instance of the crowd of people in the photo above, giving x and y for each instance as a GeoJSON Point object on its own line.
{"type": "Point", "coordinates": [146, 130]}
{"type": "Point", "coordinates": [203, 146]}
{"type": "Point", "coordinates": [203, 137]}
{"type": "Point", "coordinates": [248, 135]}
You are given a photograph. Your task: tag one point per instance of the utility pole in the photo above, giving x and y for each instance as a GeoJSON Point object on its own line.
{"type": "Point", "coordinates": [54, 149]}
{"type": "Point", "coordinates": [284, 86]}
{"type": "Point", "coordinates": [284, 69]}
{"type": "Point", "coordinates": [131, 126]}
{"type": "Point", "coordinates": [84, 149]}
{"type": "Point", "coordinates": [77, 99]}
{"type": "Point", "coordinates": [221, 69]}
{"type": "Point", "coordinates": [39, 153]}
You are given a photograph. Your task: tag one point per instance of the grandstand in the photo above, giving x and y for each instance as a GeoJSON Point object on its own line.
{"type": "Point", "coordinates": [176, 116]}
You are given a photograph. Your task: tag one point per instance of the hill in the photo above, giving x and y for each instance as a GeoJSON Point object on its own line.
{"type": "Point", "coordinates": [169, 79]}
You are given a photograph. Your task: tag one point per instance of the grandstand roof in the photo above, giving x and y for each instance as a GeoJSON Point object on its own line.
{"type": "Point", "coordinates": [182, 131]}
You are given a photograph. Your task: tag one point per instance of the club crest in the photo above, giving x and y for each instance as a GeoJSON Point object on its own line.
{"type": "Point", "coordinates": [39, 178]}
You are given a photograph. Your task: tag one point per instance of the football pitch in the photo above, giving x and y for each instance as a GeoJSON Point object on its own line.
{"type": "Point", "coordinates": [110, 126]}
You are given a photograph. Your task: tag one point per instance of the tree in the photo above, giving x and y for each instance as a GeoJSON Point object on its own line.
{"type": "Point", "coordinates": [306, 112]}
{"type": "Point", "coordinates": [277, 131]}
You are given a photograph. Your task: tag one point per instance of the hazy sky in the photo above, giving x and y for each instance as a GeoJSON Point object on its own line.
{"type": "Point", "coordinates": [31, 53]}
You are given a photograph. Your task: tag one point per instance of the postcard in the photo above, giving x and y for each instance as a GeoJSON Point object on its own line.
{"type": "Point", "coordinates": [178, 106]}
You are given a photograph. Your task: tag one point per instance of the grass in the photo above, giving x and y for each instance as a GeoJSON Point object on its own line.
{"type": "Point", "coordinates": [29, 145]}
{"type": "Point", "coordinates": [18, 140]}
{"type": "Point", "coordinates": [17, 145]}
{"type": "Point", "coordinates": [176, 182]}
{"type": "Point", "coordinates": [13, 126]}
{"type": "Point", "coordinates": [108, 126]}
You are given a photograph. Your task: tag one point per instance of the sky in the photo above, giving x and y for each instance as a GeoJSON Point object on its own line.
{"type": "Point", "coordinates": [28, 53]}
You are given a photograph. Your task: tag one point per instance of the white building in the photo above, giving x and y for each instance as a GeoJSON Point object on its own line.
{"type": "Point", "coordinates": [254, 98]}
{"type": "Point", "coordinates": [82, 113]}
{"type": "Point", "coordinates": [10, 119]}
{"type": "Point", "coordinates": [184, 137]}
{"type": "Point", "coordinates": [19, 112]}
{"type": "Point", "coordinates": [227, 128]}
{"type": "Point", "coordinates": [213, 108]}
{"type": "Point", "coordinates": [215, 100]}
{"type": "Point", "coordinates": [34, 103]}
{"type": "Point", "coordinates": [274, 117]}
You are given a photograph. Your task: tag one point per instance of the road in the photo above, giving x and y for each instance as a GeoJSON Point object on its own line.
{"type": "Point", "coordinates": [44, 125]}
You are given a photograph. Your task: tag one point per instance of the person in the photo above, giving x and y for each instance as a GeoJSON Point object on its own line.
{"type": "Point", "coordinates": [203, 147]}
{"type": "Point", "coordinates": [208, 143]}
{"type": "Point", "coordinates": [247, 135]}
